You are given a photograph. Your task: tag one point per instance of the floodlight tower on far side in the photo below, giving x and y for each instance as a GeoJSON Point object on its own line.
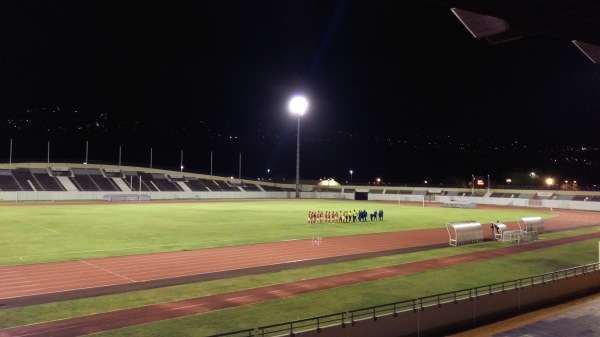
{"type": "Point", "coordinates": [298, 105]}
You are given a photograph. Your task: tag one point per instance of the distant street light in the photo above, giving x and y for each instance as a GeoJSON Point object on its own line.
{"type": "Point", "coordinates": [472, 184]}
{"type": "Point", "coordinates": [351, 177]}
{"type": "Point", "coordinates": [268, 174]}
{"type": "Point", "coordinates": [298, 105]}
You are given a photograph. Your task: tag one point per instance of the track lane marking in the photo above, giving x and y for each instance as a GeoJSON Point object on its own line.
{"type": "Point", "coordinates": [108, 271]}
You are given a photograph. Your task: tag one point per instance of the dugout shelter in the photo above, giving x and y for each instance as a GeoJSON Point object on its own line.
{"type": "Point", "coordinates": [464, 232]}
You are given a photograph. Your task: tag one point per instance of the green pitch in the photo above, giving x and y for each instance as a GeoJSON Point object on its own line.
{"type": "Point", "coordinates": [65, 232]}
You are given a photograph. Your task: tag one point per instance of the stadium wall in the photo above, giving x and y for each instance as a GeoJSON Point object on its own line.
{"type": "Point", "coordinates": [464, 313]}
{"type": "Point", "coordinates": [560, 204]}
{"type": "Point", "coordinates": [98, 196]}
{"type": "Point", "coordinates": [82, 196]}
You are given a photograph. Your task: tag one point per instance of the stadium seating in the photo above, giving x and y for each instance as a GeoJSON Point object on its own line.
{"type": "Point", "coordinates": [164, 184]}
{"type": "Point", "coordinates": [26, 180]}
{"type": "Point", "coordinates": [141, 181]}
{"type": "Point", "coordinates": [46, 181]}
{"type": "Point", "coordinates": [270, 188]}
{"type": "Point", "coordinates": [104, 184]}
{"type": "Point", "coordinates": [564, 197]}
{"type": "Point", "coordinates": [216, 186]}
{"type": "Point", "coordinates": [196, 185]}
{"type": "Point", "coordinates": [251, 188]}
{"type": "Point", "coordinates": [8, 182]}
{"type": "Point", "coordinates": [84, 183]}
{"type": "Point", "coordinates": [225, 186]}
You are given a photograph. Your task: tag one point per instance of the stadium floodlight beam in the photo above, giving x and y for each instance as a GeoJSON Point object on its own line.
{"type": "Point", "coordinates": [298, 105]}
{"type": "Point", "coordinates": [351, 176]}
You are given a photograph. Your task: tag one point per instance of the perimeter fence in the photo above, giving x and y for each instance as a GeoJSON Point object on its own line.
{"type": "Point", "coordinates": [310, 326]}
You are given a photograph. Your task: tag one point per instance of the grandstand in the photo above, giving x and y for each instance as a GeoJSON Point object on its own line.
{"type": "Point", "coordinates": [43, 181]}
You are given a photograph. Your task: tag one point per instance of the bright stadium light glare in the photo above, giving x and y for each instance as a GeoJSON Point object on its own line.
{"type": "Point", "coordinates": [550, 181]}
{"type": "Point", "coordinates": [298, 105]}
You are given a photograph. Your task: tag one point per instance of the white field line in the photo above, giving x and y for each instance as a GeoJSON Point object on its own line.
{"type": "Point", "coordinates": [108, 271]}
{"type": "Point", "coordinates": [31, 223]}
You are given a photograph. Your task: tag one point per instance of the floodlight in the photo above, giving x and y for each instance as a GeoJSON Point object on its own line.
{"type": "Point", "coordinates": [298, 105]}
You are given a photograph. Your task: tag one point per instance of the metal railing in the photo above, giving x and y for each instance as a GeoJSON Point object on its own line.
{"type": "Point", "coordinates": [350, 317]}
{"type": "Point", "coordinates": [239, 333]}
{"type": "Point", "coordinates": [313, 323]}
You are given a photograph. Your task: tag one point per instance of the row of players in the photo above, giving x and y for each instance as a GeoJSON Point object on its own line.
{"type": "Point", "coordinates": [320, 217]}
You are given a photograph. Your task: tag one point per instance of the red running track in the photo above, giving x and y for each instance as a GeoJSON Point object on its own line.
{"type": "Point", "coordinates": [47, 278]}
{"type": "Point", "coordinates": [78, 326]}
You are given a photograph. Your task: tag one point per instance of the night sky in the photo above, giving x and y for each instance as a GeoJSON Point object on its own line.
{"type": "Point", "coordinates": [215, 76]}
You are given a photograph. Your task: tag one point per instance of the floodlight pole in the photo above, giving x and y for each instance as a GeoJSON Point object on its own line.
{"type": "Point", "coordinates": [10, 154]}
{"type": "Point", "coordinates": [472, 185]}
{"type": "Point", "coordinates": [86, 154]}
{"type": "Point", "coordinates": [298, 105]}
{"type": "Point", "coordinates": [298, 160]}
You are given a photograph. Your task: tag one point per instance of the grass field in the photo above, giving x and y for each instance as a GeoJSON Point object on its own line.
{"type": "Point", "coordinates": [63, 232]}
{"type": "Point", "coordinates": [45, 233]}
